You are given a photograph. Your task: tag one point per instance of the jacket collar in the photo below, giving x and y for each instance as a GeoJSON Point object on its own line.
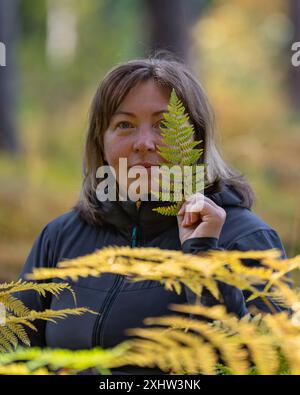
{"type": "Point", "coordinates": [123, 215]}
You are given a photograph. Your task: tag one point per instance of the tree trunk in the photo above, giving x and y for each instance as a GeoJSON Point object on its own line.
{"type": "Point", "coordinates": [168, 27]}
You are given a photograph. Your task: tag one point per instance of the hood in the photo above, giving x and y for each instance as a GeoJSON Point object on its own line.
{"type": "Point", "coordinates": [228, 197]}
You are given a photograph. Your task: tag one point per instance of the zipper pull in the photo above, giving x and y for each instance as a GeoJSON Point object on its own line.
{"type": "Point", "coordinates": [134, 237]}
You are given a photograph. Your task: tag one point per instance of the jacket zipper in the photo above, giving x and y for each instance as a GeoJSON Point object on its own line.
{"type": "Point", "coordinates": [134, 236]}
{"type": "Point", "coordinates": [111, 296]}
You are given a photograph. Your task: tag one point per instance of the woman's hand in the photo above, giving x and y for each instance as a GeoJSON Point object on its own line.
{"type": "Point", "coordinates": [199, 216]}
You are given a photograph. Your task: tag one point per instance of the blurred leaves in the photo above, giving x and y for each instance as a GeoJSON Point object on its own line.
{"type": "Point", "coordinates": [239, 52]}
{"type": "Point", "coordinates": [242, 55]}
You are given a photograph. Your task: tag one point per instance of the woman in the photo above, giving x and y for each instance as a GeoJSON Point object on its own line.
{"type": "Point", "coordinates": [125, 120]}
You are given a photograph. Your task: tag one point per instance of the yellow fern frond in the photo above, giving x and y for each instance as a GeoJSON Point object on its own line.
{"type": "Point", "coordinates": [41, 288]}
{"type": "Point", "coordinates": [48, 315]}
{"type": "Point", "coordinates": [13, 328]}
{"type": "Point", "coordinates": [238, 342]}
{"type": "Point", "coordinates": [19, 316]}
{"type": "Point", "coordinates": [175, 267]}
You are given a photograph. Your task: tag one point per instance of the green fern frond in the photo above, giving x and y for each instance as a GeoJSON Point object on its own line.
{"type": "Point", "coordinates": [70, 361]}
{"type": "Point", "coordinates": [169, 210]}
{"type": "Point", "coordinates": [178, 148]}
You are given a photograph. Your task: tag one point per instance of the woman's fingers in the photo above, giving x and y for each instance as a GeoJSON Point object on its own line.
{"type": "Point", "coordinates": [197, 206]}
{"type": "Point", "coordinates": [199, 216]}
{"type": "Point", "coordinates": [182, 209]}
{"type": "Point", "coordinates": [195, 203]}
{"type": "Point", "coordinates": [194, 217]}
{"type": "Point", "coordinates": [191, 218]}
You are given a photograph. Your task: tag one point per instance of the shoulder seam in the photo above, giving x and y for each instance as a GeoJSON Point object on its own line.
{"type": "Point", "coordinates": [270, 230]}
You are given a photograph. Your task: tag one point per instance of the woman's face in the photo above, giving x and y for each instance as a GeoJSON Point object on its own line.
{"type": "Point", "coordinates": [134, 129]}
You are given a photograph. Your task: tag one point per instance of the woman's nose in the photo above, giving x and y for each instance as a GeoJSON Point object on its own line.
{"type": "Point", "coordinates": [145, 140]}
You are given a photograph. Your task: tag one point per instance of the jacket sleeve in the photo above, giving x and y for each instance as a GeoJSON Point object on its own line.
{"type": "Point", "coordinates": [39, 256]}
{"type": "Point", "coordinates": [233, 297]}
{"type": "Point", "coordinates": [260, 240]}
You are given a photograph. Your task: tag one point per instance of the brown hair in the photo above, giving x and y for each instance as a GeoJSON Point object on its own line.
{"type": "Point", "coordinates": [112, 90]}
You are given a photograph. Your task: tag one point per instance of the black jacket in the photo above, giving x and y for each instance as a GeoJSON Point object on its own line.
{"type": "Point", "coordinates": [122, 304]}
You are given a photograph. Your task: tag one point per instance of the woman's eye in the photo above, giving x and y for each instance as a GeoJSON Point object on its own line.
{"type": "Point", "coordinates": [160, 124]}
{"type": "Point", "coordinates": [124, 125]}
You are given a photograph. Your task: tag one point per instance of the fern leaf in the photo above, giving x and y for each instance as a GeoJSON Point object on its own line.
{"type": "Point", "coordinates": [48, 315]}
{"type": "Point", "coordinates": [174, 266]}
{"type": "Point", "coordinates": [170, 210]}
{"type": "Point", "coordinates": [20, 286]}
{"type": "Point", "coordinates": [19, 316]}
{"type": "Point", "coordinates": [178, 147]}
{"type": "Point", "coordinates": [14, 305]}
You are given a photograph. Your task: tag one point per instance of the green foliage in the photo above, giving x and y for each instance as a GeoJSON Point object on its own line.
{"type": "Point", "coordinates": [177, 148]}
{"type": "Point", "coordinates": [62, 361]}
